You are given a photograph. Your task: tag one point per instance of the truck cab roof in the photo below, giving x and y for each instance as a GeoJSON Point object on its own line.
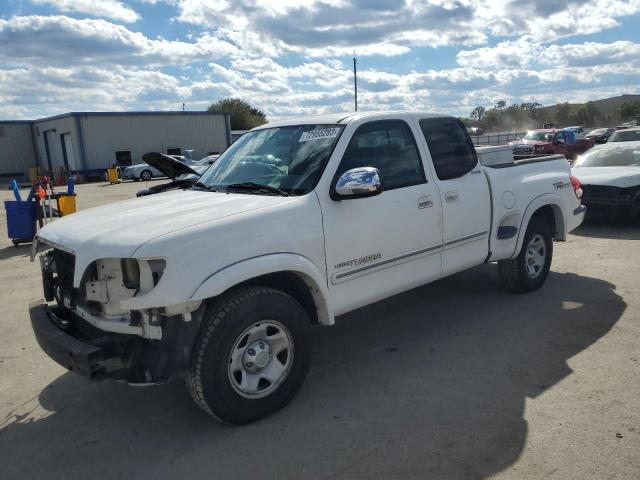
{"type": "Point", "coordinates": [346, 117]}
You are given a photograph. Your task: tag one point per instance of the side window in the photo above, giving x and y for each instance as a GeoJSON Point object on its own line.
{"type": "Point", "coordinates": [451, 149]}
{"type": "Point", "coordinates": [388, 146]}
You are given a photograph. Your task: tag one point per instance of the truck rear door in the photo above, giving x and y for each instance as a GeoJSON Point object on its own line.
{"type": "Point", "coordinates": [464, 191]}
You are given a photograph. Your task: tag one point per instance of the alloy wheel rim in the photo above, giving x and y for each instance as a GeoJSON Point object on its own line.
{"type": "Point", "coordinates": [536, 256]}
{"type": "Point", "coordinates": [260, 359]}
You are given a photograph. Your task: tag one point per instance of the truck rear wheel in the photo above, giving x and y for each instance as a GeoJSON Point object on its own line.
{"type": "Point", "coordinates": [252, 355]}
{"type": "Point", "coordinates": [528, 271]}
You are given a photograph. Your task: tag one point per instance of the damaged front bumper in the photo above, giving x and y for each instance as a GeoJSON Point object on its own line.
{"type": "Point", "coordinates": [609, 197]}
{"type": "Point", "coordinates": [95, 354]}
{"type": "Point", "coordinates": [63, 341]}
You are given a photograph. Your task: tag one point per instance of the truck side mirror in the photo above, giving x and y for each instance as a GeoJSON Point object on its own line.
{"type": "Point", "coordinates": [357, 183]}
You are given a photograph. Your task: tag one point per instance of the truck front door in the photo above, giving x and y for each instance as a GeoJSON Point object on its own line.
{"type": "Point", "coordinates": [464, 190]}
{"type": "Point", "coordinates": [381, 245]}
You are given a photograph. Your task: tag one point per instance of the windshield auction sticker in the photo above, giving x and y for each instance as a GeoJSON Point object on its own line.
{"type": "Point", "coordinates": [319, 134]}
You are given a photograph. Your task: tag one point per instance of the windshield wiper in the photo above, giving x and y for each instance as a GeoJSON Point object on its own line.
{"type": "Point", "coordinates": [257, 187]}
{"type": "Point", "coordinates": [202, 186]}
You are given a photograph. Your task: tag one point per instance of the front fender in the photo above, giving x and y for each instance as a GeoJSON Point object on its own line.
{"type": "Point", "coordinates": [232, 275]}
{"type": "Point", "coordinates": [548, 199]}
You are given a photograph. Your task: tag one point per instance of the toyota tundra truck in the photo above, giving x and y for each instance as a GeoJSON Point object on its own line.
{"type": "Point", "coordinates": [297, 223]}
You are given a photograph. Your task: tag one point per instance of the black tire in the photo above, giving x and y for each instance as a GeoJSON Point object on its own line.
{"type": "Point", "coordinates": [514, 274]}
{"type": "Point", "coordinates": [146, 175]}
{"type": "Point", "coordinates": [209, 378]}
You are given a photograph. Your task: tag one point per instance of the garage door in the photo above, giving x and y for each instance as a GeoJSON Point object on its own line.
{"type": "Point", "coordinates": [69, 149]}
{"type": "Point", "coordinates": [56, 157]}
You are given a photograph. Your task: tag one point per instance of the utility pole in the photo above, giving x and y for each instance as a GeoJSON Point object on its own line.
{"type": "Point", "coordinates": [355, 83]}
{"type": "Point", "coordinates": [183, 106]}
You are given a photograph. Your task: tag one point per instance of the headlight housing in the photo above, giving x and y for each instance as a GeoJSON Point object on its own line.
{"type": "Point", "coordinates": [116, 279]}
{"type": "Point", "coordinates": [141, 274]}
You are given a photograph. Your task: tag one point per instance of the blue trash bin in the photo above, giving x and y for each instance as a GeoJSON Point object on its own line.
{"type": "Point", "coordinates": [21, 220]}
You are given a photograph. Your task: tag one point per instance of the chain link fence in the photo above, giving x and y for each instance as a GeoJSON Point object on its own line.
{"type": "Point", "coordinates": [499, 138]}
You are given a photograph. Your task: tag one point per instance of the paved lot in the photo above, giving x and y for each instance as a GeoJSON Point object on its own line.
{"type": "Point", "coordinates": [454, 380]}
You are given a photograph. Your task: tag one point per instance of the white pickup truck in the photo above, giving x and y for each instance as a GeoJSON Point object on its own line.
{"type": "Point", "coordinates": [296, 223]}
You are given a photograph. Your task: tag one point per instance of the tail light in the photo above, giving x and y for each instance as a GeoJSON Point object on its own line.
{"type": "Point", "coordinates": [577, 186]}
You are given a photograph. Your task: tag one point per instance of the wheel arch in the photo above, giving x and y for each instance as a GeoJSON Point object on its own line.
{"type": "Point", "coordinates": [548, 207]}
{"type": "Point", "coordinates": [291, 273]}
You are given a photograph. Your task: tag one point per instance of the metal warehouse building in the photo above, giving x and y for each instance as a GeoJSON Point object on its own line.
{"type": "Point", "coordinates": [89, 142]}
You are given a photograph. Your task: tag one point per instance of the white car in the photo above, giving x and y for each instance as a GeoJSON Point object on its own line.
{"type": "Point", "coordinates": [141, 171]}
{"type": "Point", "coordinates": [610, 177]}
{"type": "Point", "coordinates": [144, 171]}
{"type": "Point", "coordinates": [298, 222]}
{"type": "Point", "coordinates": [626, 135]}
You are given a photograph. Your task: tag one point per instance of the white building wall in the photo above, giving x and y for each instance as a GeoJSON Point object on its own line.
{"type": "Point", "coordinates": [141, 133]}
{"type": "Point", "coordinates": [16, 149]}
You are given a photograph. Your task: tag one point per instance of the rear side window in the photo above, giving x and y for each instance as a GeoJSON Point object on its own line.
{"type": "Point", "coordinates": [388, 146]}
{"type": "Point", "coordinates": [452, 152]}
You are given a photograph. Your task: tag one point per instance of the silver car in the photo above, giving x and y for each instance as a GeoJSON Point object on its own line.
{"type": "Point", "coordinates": [141, 171]}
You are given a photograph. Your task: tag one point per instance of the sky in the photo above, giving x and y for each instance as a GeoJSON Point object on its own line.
{"type": "Point", "coordinates": [289, 57]}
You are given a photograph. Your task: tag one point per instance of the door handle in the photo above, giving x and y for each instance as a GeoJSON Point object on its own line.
{"type": "Point", "coordinates": [451, 197]}
{"type": "Point", "coordinates": [425, 201]}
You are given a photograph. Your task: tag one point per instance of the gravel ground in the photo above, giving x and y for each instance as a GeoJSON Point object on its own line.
{"type": "Point", "coordinates": [453, 380]}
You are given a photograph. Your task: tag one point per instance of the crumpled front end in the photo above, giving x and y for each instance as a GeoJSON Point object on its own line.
{"type": "Point", "coordinates": [87, 329]}
{"type": "Point", "coordinates": [608, 198]}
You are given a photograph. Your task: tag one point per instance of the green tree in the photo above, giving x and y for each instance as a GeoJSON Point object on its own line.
{"type": "Point", "coordinates": [243, 115]}
{"type": "Point", "coordinates": [628, 110]}
{"type": "Point", "coordinates": [478, 113]}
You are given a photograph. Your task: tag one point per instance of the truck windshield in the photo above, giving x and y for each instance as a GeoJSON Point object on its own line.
{"type": "Point", "coordinates": [286, 160]}
{"type": "Point", "coordinates": [610, 157]}
{"type": "Point", "coordinates": [538, 136]}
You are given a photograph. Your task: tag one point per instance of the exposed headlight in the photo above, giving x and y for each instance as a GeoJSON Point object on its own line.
{"type": "Point", "coordinates": [137, 273]}
{"type": "Point", "coordinates": [118, 279]}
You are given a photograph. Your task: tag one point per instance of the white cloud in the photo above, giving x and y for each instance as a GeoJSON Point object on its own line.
{"type": "Point", "coordinates": [282, 56]}
{"type": "Point", "coordinates": [327, 28]}
{"type": "Point", "coordinates": [98, 8]}
{"type": "Point", "coordinates": [526, 52]}
{"type": "Point", "coordinates": [96, 42]}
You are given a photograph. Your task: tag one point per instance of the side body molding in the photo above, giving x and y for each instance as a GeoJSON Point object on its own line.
{"type": "Point", "coordinates": [234, 274]}
{"type": "Point", "coordinates": [548, 199]}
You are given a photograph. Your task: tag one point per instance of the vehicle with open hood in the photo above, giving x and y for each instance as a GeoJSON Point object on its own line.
{"type": "Point", "coordinates": [297, 223]}
{"type": "Point", "coordinates": [181, 175]}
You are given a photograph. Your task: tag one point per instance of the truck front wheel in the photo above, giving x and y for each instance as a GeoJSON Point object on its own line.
{"type": "Point", "coordinates": [528, 271]}
{"type": "Point", "coordinates": [252, 355]}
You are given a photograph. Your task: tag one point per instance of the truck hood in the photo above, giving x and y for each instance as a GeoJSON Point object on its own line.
{"type": "Point", "coordinates": [118, 229]}
{"type": "Point", "coordinates": [622, 177]}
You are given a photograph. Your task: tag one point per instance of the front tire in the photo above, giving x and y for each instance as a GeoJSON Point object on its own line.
{"type": "Point", "coordinates": [146, 175]}
{"type": "Point", "coordinates": [252, 355]}
{"type": "Point", "coordinates": [528, 271]}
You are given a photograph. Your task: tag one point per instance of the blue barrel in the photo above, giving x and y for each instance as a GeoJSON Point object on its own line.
{"type": "Point", "coordinates": [21, 219]}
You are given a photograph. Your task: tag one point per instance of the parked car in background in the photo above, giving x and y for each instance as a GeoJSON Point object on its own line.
{"type": "Point", "coordinates": [626, 135]}
{"type": "Point", "coordinates": [296, 223]}
{"type": "Point", "coordinates": [610, 177]}
{"type": "Point", "coordinates": [600, 135]}
{"type": "Point", "coordinates": [476, 131]}
{"type": "Point", "coordinates": [578, 130]}
{"type": "Point", "coordinates": [146, 171]}
{"type": "Point", "coordinates": [549, 141]}
{"type": "Point", "coordinates": [182, 176]}
{"type": "Point", "coordinates": [141, 171]}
